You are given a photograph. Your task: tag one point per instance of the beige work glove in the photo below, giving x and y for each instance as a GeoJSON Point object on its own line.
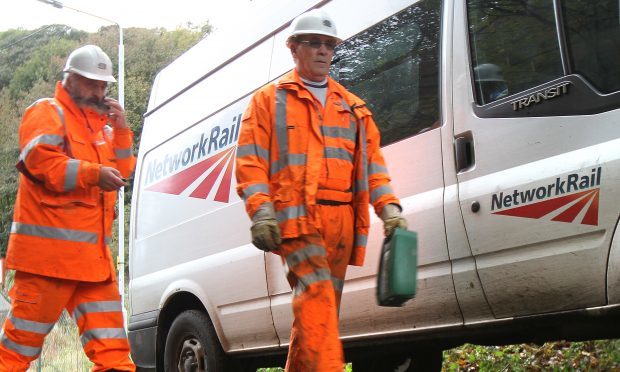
{"type": "Point", "coordinates": [265, 230]}
{"type": "Point", "coordinates": [392, 218]}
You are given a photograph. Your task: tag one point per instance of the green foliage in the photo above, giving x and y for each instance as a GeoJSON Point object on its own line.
{"type": "Point", "coordinates": [31, 61]}
{"type": "Point", "coordinates": [44, 65]}
{"type": "Point", "coordinates": [598, 355]}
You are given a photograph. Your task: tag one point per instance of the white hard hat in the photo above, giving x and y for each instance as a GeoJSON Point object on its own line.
{"type": "Point", "coordinates": [91, 62]}
{"type": "Point", "coordinates": [315, 21]}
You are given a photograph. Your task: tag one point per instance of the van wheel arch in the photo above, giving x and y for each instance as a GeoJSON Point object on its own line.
{"type": "Point", "coordinates": [177, 304]}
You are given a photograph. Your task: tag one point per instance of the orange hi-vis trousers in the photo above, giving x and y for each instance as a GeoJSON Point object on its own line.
{"type": "Point", "coordinates": [36, 305]}
{"type": "Point", "coordinates": [316, 265]}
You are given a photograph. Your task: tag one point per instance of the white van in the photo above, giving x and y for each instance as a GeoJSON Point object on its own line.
{"type": "Point", "coordinates": [500, 123]}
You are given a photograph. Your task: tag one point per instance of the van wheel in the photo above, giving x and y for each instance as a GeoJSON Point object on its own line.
{"type": "Point", "coordinates": [192, 345]}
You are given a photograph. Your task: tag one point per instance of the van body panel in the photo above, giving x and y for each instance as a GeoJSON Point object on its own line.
{"type": "Point", "coordinates": [518, 160]}
{"type": "Point", "coordinates": [515, 202]}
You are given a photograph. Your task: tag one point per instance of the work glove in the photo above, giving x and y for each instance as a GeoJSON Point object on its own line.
{"type": "Point", "coordinates": [265, 230]}
{"type": "Point", "coordinates": [392, 218]}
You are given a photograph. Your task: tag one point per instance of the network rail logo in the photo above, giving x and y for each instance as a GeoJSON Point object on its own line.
{"type": "Point", "coordinates": [563, 200]}
{"type": "Point", "coordinates": [205, 165]}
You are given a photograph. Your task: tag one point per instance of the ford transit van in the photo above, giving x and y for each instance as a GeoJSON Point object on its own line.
{"type": "Point", "coordinates": [500, 125]}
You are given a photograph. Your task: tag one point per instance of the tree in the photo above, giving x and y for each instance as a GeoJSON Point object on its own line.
{"type": "Point", "coordinates": [31, 61]}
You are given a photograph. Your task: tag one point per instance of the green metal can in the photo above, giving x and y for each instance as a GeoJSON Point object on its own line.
{"type": "Point", "coordinates": [397, 277]}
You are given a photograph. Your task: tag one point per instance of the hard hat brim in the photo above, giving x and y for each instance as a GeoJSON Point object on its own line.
{"type": "Point", "coordinates": [88, 75]}
{"type": "Point", "coordinates": [315, 32]}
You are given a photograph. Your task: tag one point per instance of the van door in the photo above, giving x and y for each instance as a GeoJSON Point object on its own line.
{"type": "Point", "coordinates": [536, 121]}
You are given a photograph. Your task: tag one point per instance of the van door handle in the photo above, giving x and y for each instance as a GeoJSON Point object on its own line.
{"type": "Point", "coordinates": [464, 152]}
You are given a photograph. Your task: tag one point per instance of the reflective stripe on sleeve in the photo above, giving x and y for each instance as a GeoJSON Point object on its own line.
{"type": "Point", "coordinates": [375, 168]}
{"type": "Point", "coordinates": [28, 351]}
{"type": "Point", "coordinates": [54, 233]}
{"type": "Point", "coordinates": [253, 149]}
{"type": "Point", "coordinates": [102, 333]}
{"type": "Point", "coordinates": [379, 192]}
{"type": "Point", "coordinates": [71, 174]}
{"type": "Point", "coordinates": [255, 188]}
{"type": "Point", "coordinates": [122, 153]}
{"type": "Point", "coordinates": [43, 139]}
{"type": "Point", "coordinates": [96, 307]}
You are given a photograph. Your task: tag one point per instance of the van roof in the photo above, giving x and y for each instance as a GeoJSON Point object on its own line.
{"type": "Point", "coordinates": [224, 45]}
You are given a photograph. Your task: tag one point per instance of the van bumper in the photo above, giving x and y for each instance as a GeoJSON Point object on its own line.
{"type": "Point", "coordinates": [142, 334]}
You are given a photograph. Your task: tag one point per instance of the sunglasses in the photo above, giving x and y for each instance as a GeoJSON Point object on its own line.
{"type": "Point", "coordinates": [316, 44]}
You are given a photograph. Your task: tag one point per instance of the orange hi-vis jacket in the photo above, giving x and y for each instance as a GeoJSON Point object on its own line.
{"type": "Point", "coordinates": [62, 220]}
{"type": "Point", "coordinates": [292, 152]}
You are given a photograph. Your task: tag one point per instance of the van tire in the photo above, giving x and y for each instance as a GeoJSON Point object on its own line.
{"type": "Point", "coordinates": [192, 345]}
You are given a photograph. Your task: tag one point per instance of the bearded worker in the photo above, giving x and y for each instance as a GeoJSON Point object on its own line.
{"type": "Point", "coordinates": [76, 151]}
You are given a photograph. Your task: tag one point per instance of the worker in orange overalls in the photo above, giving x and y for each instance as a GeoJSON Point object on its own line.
{"type": "Point", "coordinates": [76, 151]}
{"type": "Point", "coordinates": [308, 164]}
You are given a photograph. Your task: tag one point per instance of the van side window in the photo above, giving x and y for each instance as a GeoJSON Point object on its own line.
{"type": "Point", "coordinates": [593, 36]}
{"type": "Point", "coordinates": [393, 66]}
{"type": "Point", "coordinates": [514, 46]}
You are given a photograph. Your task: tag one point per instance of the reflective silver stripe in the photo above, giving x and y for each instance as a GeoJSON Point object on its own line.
{"type": "Point", "coordinates": [284, 158]}
{"type": "Point", "coordinates": [295, 211]}
{"type": "Point", "coordinates": [44, 139]}
{"type": "Point", "coordinates": [304, 254]}
{"type": "Point", "coordinates": [314, 277]}
{"type": "Point", "coordinates": [54, 233]}
{"type": "Point", "coordinates": [291, 159]}
{"type": "Point", "coordinates": [37, 102]}
{"type": "Point", "coordinates": [264, 210]}
{"type": "Point", "coordinates": [107, 240]}
{"type": "Point", "coordinates": [30, 325]}
{"type": "Point", "coordinates": [255, 188]}
{"type": "Point", "coordinates": [60, 113]}
{"type": "Point", "coordinates": [96, 307]}
{"type": "Point", "coordinates": [338, 284]}
{"type": "Point", "coordinates": [375, 168]}
{"type": "Point", "coordinates": [360, 240]}
{"type": "Point", "coordinates": [346, 105]}
{"type": "Point", "coordinates": [339, 132]}
{"type": "Point", "coordinates": [253, 149]}
{"type": "Point", "coordinates": [24, 350]}
{"type": "Point", "coordinates": [361, 182]}
{"type": "Point", "coordinates": [102, 333]}
{"type": "Point", "coordinates": [338, 153]}
{"type": "Point", "coordinates": [122, 153]}
{"type": "Point", "coordinates": [380, 191]}
{"type": "Point", "coordinates": [281, 131]}
{"type": "Point", "coordinates": [71, 174]}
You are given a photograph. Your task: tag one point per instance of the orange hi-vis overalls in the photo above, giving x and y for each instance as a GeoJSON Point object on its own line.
{"type": "Point", "coordinates": [61, 226]}
{"type": "Point", "coordinates": [320, 167]}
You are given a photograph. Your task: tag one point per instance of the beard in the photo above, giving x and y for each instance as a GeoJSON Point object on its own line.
{"type": "Point", "coordinates": [92, 102]}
